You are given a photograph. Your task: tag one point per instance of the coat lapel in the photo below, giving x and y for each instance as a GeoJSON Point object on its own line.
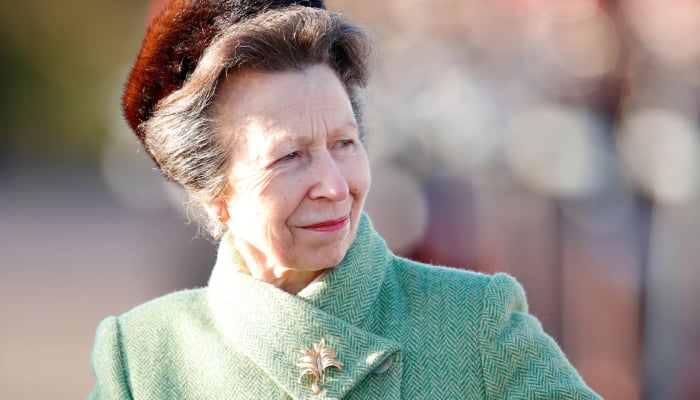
{"type": "Point", "coordinates": [273, 327]}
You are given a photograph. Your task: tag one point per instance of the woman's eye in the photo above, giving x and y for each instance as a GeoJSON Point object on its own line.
{"type": "Point", "coordinates": [344, 143]}
{"type": "Point", "coordinates": [290, 156]}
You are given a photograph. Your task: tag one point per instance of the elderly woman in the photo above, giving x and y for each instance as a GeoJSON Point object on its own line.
{"type": "Point", "coordinates": [252, 107]}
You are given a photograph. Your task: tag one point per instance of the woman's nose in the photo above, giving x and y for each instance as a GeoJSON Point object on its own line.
{"type": "Point", "coordinates": [329, 181]}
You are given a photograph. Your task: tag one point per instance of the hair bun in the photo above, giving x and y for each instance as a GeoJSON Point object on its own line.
{"type": "Point", "coordinates": [174, 43]}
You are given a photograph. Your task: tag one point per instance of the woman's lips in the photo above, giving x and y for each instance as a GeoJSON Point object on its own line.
{"type": "Point", "coordinates": [328, 226]}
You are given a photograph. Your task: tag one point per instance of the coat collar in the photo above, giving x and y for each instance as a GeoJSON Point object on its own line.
{"type": "Point", "coordinates": [272, 327]}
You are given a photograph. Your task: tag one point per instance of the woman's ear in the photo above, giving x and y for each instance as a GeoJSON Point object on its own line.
{"type": "Point", "coordinates": [218, 210]}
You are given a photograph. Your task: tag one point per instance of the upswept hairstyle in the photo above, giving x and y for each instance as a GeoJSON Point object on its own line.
{"type": "Point", "coordinates": [181, 136]}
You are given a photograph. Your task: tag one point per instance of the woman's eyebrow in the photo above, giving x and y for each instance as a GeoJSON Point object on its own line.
{"type": "Point", "coordinates": [344, 128]}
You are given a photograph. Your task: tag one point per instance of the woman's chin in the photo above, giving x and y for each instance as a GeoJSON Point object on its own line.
{"type": "Point", "coordinates": [320, 264]}
{"type": "Point", "coordinates": [324, 250]}
{"type": "Point", "coordinates": [321, 259]}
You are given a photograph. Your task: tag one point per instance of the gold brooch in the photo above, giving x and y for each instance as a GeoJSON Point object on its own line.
{"type": "Point", "coordinates": [315, 362]}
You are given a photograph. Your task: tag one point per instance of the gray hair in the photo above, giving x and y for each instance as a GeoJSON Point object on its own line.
{"type": "Point", "coordinates": [182, 135]}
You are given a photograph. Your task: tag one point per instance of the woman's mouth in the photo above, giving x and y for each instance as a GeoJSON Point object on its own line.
{"type": "Point", "coordinates": [329, 226]}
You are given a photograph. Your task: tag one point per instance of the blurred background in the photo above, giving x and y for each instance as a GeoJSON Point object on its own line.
{"type": "Point", "coordinates": [557, 140]}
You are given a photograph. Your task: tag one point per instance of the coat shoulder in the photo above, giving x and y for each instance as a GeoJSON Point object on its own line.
{"type": "Point", "coordinates": [165, 348]}
{"type": "Point", "coordinates": [167, 311]}
{"type": "Point", "coordinates": [495, 294]}
{"type": "Point", "coordinates": [441, 281]}
{"type": "Point", "coordinates": [162, 321]}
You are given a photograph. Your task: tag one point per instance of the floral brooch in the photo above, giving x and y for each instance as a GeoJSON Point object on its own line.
{"type": "Point", "coordinates": [315, 362]}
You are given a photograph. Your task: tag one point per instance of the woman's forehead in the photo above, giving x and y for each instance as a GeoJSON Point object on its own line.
{"type": "Point", "coordinates": [297, 103]}
{"type": "Point", "coordinates": [264, 89]}
{"type": "Point", "coordinates": [258, 135]}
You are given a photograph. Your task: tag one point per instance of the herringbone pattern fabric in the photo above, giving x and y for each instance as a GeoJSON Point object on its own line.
{"type": "Point", "coordinates": [439, 333]}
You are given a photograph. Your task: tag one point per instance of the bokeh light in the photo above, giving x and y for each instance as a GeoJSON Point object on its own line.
{"type": "Point", "coordinates": [398, 206]}
{"type": "Point", "coordinates": [666, 29]}
{"type": "Point", "coordinates": [585, 47]}
{"type": "Point", "coordinates": [557, 150]}
{"type": "Point", "coordinates": [662, 150]}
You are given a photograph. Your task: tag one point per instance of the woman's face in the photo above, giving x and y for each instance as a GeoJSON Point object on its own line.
{"type": "Point", "coordinates": [298, 174]}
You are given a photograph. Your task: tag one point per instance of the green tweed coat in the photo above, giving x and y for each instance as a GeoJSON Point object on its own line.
{"type": "Point", "coordinates": [403, 330]}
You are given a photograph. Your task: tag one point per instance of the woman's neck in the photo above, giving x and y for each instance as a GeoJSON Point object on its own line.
{"type": "Point", "coordinates": [290, 280]}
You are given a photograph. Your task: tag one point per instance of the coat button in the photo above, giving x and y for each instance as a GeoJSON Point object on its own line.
{"type": "Point", "coordinates": [384, 366]}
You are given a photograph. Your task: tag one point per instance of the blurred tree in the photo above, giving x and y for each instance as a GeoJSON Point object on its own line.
{"type": "Point", "coordinates": [56, 60]}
